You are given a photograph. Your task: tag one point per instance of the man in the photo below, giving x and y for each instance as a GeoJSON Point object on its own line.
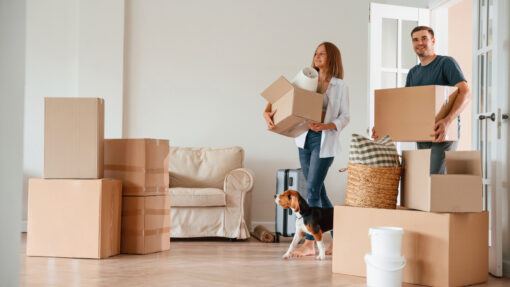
{"type": "Point", "coordinates": [437, 70]}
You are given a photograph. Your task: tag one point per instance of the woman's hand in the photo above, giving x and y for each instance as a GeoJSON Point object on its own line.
{"type": "Point", "coordinates": [317, 127]}
{"type": "Point", "coordinates": [268, 116]}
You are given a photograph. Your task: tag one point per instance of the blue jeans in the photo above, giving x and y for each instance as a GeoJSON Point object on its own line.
{"type": "Point", "coordinates": [315, 170]}
{"type": "Point", "coordinates": [437, 157]}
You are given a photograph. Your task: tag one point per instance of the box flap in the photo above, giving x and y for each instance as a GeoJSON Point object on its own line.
{"type": "Point", "coordinates": [464, 162]}
{"type": "Point", "coordinates": [277, 89]}
{"type": "Point", "coordinates": [416, 179]}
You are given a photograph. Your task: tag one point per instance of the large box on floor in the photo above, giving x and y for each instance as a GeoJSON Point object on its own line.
{"type": "Point", "coordinates": [141, 164]}
{"type": "Point", "coordinates": [77, 218]}
{"type": "Point", "coordinates": [73, 137]}
{"type": "Point", "coordinates": [460, 190]}
{"type": "Point", "coordinates": [145, 224]}
{"type": "Point", "coordinates": [295, 107]}
{"type": "Point", "coordinates": [441, 249]}
{"type": "Point", "coordinates": [409, 114]}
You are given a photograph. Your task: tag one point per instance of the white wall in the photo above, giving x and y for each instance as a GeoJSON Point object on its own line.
{"type": "Point", "coordinates": [194, 71]}
{"type": "Point", "coordinates": [75, 48]}
{"type": "Point", "coordinates": [12, 87]}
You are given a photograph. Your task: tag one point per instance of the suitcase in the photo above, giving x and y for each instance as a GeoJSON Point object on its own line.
{"type": "Point", "coordinates": [285, 219]}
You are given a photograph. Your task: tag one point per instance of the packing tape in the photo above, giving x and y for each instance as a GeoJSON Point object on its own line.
{"type": "Point", "coordinates": [149, 232]}
{"type": "Point", "coordinates": [144, 190]}
{"type": "Point", "coordinates": [131, 168]}
{"type": "Point", "coordinates": [139, 212]}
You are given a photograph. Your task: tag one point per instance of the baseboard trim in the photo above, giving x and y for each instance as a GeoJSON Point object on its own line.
{"type": "Point", "coordinates": [24, 226]}
{"type": "Point", "coordinates": [267, 224]}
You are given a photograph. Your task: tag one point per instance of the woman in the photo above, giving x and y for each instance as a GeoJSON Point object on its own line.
{"type": "Point", "coordinates": [318, 146]}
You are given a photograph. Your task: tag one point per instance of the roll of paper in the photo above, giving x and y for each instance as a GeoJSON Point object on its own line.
{"type": "Point", "coordinates": [306, 79]}
{"type": "Point", "coordinates": [262, 234]}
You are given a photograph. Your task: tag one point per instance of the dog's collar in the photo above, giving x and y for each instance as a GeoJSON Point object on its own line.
{"type": "Point", "coordinates": [298, 215]}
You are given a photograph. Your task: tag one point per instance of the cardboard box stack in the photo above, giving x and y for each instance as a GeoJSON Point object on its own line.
{"type": "Point", "coordinates": [142, 165]}
{"type": "Point", "coordinates": [73, 211]}
{"type": "Point", "coordinates": [445, 239]}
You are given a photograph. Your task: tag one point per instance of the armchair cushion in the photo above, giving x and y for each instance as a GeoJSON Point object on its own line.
{"type": "Point", "coordinates": [195, 197]}
{"type": "Point", "coordinates": [203, 167]}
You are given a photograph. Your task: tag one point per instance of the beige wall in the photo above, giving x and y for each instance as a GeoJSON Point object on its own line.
{"type": "Point", "coordinates": [460, 46]}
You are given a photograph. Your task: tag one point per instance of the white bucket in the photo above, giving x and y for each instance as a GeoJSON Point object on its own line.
{"type": "Point", "coordinates": [384, 272]}
{"type": "Point", "coordinates": [386, 241]}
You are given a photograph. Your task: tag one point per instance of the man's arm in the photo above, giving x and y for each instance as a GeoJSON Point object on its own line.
{"type": "Point", "coordinates": [461, 101]}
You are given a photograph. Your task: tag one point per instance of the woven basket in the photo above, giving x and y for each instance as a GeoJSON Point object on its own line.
{"type": "Point", "coordinates": [370, 186]}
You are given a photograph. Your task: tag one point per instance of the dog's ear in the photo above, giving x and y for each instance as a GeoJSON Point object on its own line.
{"type": "Point", "coordinates": [294, 202]}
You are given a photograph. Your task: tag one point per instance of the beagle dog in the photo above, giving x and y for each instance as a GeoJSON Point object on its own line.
{"type": "Point", "coordinates": [312, 220]}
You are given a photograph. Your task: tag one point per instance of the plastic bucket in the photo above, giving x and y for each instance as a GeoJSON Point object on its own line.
{"type": "Point", "coordinates": [386, 241]}
{"type": "Point", "coordinates": [384, 272]}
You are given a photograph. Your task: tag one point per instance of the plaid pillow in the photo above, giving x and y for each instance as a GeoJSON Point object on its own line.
{"type": "Point", "coordinates": [379, 153]}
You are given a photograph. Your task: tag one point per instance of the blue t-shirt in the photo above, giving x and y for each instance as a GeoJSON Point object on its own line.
{"type": "Point", "coordinates": [443, 70]}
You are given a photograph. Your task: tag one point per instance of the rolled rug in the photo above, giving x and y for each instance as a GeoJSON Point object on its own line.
{"type": "Point", "coordinates": [306, 79]}
{"type": "Point", "coordinates": [263, 234]}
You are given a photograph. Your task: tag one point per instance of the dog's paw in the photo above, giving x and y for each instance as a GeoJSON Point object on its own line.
{"type": "Point", "coordinates": [320, 257]}
{"type": "Point", "coordinates": [286, 256]}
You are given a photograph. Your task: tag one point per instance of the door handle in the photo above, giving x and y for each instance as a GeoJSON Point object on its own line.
{"type": "Point", "coordinates": [504, 116]}
{"type": "Point", "coordinates": [492, 117]}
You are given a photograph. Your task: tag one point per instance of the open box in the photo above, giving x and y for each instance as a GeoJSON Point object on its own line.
{"type": "Point", "coordinates": [295, 107]}
{"type": "Point", "coordinates": [460, 190]}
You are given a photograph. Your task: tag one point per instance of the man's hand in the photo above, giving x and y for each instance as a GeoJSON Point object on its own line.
{"type": "Point", "coordinates": [374, 134]}
{"type": "Point", "coordinates": [440, 129]}
{"type": "Point", "coordinates": [316, 127]}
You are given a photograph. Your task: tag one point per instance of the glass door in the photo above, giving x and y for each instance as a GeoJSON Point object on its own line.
{"type": "Point", "coordinates": [489, 117]}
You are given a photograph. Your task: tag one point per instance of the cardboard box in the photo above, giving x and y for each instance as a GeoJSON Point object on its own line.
{"type": "Point", "coordinates": [141, 164]}
{"type": "Point", "coordinates": [74, 217]}
{"type": "Point", "coordinates": [145, 224]}
{"type": "Point", "coordinates": [73, 137]}
{"type": "Point", "coordinates": [441, 249]}
{"type": "Point", "coordinates": [409, 114]}
{"type": "Point", "coordinates": [460, 190]}
{"type": "Point", "coordinates": [295, 107]}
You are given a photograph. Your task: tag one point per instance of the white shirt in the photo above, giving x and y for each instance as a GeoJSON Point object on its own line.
{"type": "Point", "coordinates": [337, 112]}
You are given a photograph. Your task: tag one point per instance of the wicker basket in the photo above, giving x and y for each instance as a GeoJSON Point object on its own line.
{"type": "Point", "coordinates": [370, 186]}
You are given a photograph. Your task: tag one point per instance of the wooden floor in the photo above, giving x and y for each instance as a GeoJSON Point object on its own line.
{"type": "Point", "coordinates": [212, 262]}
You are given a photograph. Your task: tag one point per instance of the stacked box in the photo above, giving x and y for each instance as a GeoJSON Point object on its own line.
{"type": "Point", "coordinates": [74, 217]}
{"type": "Point", "coordinates": [445, 239]}
{"type": "Point", "coordinates": [73, 137]}
{"type": "Point", "coordinates": [73, 212]}
{"type": "Point", "coordinates": [142, 165]}
{"type": "Point", "coordinates": [441, 249]}
{"type": "Point", "coordinates": [459, 190]}
{"type": "Point", "coordinates": [145, 224]}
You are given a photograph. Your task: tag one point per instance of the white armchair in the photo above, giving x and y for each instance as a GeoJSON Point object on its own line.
{"type": "Point", "coordinates": [209, 192]}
